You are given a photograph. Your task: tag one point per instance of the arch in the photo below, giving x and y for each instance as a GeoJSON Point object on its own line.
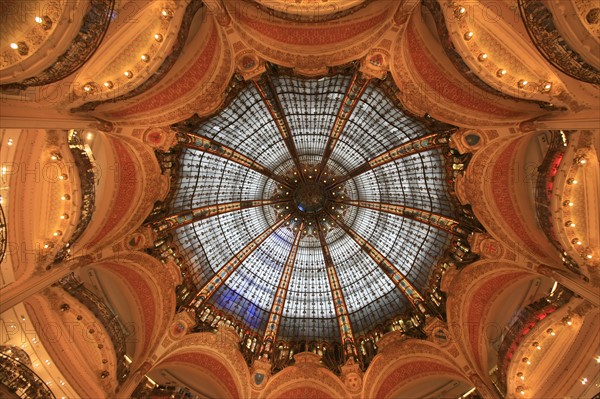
{"type": "Point", "coordinates": [306, 378]}
{"type": "Point", "coordinates": [311, 48]}
{"type": "Point", "coordinates": [141, 291]}
{"type": "Point", "coordinates": [403, 362]}
{"type": "Point", "coordinates": [434, 384]}
{"type": "Point", "coordinates": [500, 180]}
{"type": "Point", "coordinates": [212, 359]}
{"type": "Point", "coordinates": [431, 84]}
{"type": "Point", "coordinates": [130, 177]}
{"type": "Point", "coordinates": [483, 298]}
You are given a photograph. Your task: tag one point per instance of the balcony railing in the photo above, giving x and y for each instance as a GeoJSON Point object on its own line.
{"type": "Point", "coordinates": [455, 57]}
{"type": "Point", "coordinates": [106, 316]}
{"type": "Point", "coordinates": [21, 380]}
{"type": "Point", "coordinates": [93, 28]}
{"type": "Point", "coordinates": [164, 68]}
{"type": "Point", "coordinates": [149, 390]}
{"type": "Point", "coordinates": [539, 21]}
{"type": "Point", "coordinates": [543, 194]}
{"type": "Point", "coordinates": [87, 178]}
{"type": "Point", "coordinates": [3, 234]}
{"type": "Point", "coordinates": [526, 320]}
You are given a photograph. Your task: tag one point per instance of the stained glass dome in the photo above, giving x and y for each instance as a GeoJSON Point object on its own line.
{"type": "Point", "coordinates": [311, 208]}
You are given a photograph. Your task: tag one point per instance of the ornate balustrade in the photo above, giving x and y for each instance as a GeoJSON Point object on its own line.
{"type": "Point", "coordinates": [523, 323]}
{"type": "Point", "coordinates": [106, 316]}
{"type": "Point", "coordinates": [543, 194]}
{"type": "Point", "coordinates": [332, 354]}
{"type": "Point", "coordinates": [281, 352]}
{"type": "Point", "coordinates": [3, 234]}
{"type": "Point", "coordinates": [21, 380]}
{"type": "Point", "coordinates": [539, 21]}
{"type": "Point", "coordinates": [87, 178]}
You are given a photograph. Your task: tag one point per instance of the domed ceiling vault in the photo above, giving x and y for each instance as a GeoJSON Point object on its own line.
{"type": "Point", "coordinates": [311, 209]}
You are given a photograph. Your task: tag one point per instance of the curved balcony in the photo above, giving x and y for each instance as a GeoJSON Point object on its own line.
{"type": "Point", "coordinates": [21, 380]}
{"type": "Point", "coordinates": [523, 323]}
{"type": "Point", "coordinates": [85, 168]}
{"type": "Point", "coordinates": [148, 389]}
{"type": "Point", "coordinates": [3, 234]}
{"type": "Point", "coordinates": [541, 27]}
{"type": "Point", "coordinates": [543, 194]}
{"type": "Point", "coordinates": [168, 63]}
{"type": "Point", "coordinates": [462, 66]}
{"type": "Point", "coordinates": [93, 28]}
{"type": "Point", "coordinates": [105, 316]}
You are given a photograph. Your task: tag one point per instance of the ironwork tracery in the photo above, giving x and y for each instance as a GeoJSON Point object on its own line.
{"type": "Point", "coordinates": [314, 211]}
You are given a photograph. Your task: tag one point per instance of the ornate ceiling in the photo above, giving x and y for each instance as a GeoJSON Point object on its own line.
{"type": "Point", "coordinates": [312, 208]}
{"type": "Point", "coordinates": [301, 198]}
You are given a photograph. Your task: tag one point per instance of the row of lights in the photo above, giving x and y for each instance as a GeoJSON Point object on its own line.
{"type": "Point", "coordinates": [56, 156]}
{"type": "Point", "coordinates": [90, 87]}
{"type": "Point", "coordinates": [544, 87]}
{"type": "Point", "coordinates": [587, 253]}
{"type": "Point", "coordinates": [45, 22]}
{"type": "Point", "coordinates": [566, 321]}
{"type": "Point", "coordinates": [584, 380]}
{"type": "Point", "coordinates": [37, 364]}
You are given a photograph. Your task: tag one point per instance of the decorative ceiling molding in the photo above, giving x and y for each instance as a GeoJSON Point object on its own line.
{"type": "Point", "coordinates": [308, 11]}
{"type": "Point", "coordinates": [313, 48]}
{"type": "Point", "coordinates": [216, 353]}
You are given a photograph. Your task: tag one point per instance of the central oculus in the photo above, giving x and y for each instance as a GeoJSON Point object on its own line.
{"type": "Point", "coordinates": [310, 197]}
{"type": "Point", "coordinates": [311, 201]}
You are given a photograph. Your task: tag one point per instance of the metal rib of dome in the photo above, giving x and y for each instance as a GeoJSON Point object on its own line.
{"type": "Point", "coordinates": [311, 209]}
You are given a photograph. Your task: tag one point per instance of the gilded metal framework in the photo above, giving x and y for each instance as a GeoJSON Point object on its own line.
{"type": "Point", "coordinates": [181, 219]}
{"type": "Point", "coordinates": [357, 86]}
{"type": "Point", "coordinates": [415, 146]}
{"type": "Point", "coordinates": [267, 91]}
{"type": "Point", "coordinates": [204, 144]}
{"type": "Point", "coordinates": [221, 276]}
{"type": "Point", "coordinates": [442, 222]}
{"type": "Point", "coordinates": [407, 289]}
{"type": "Point", "coordinates": [279, 299]}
